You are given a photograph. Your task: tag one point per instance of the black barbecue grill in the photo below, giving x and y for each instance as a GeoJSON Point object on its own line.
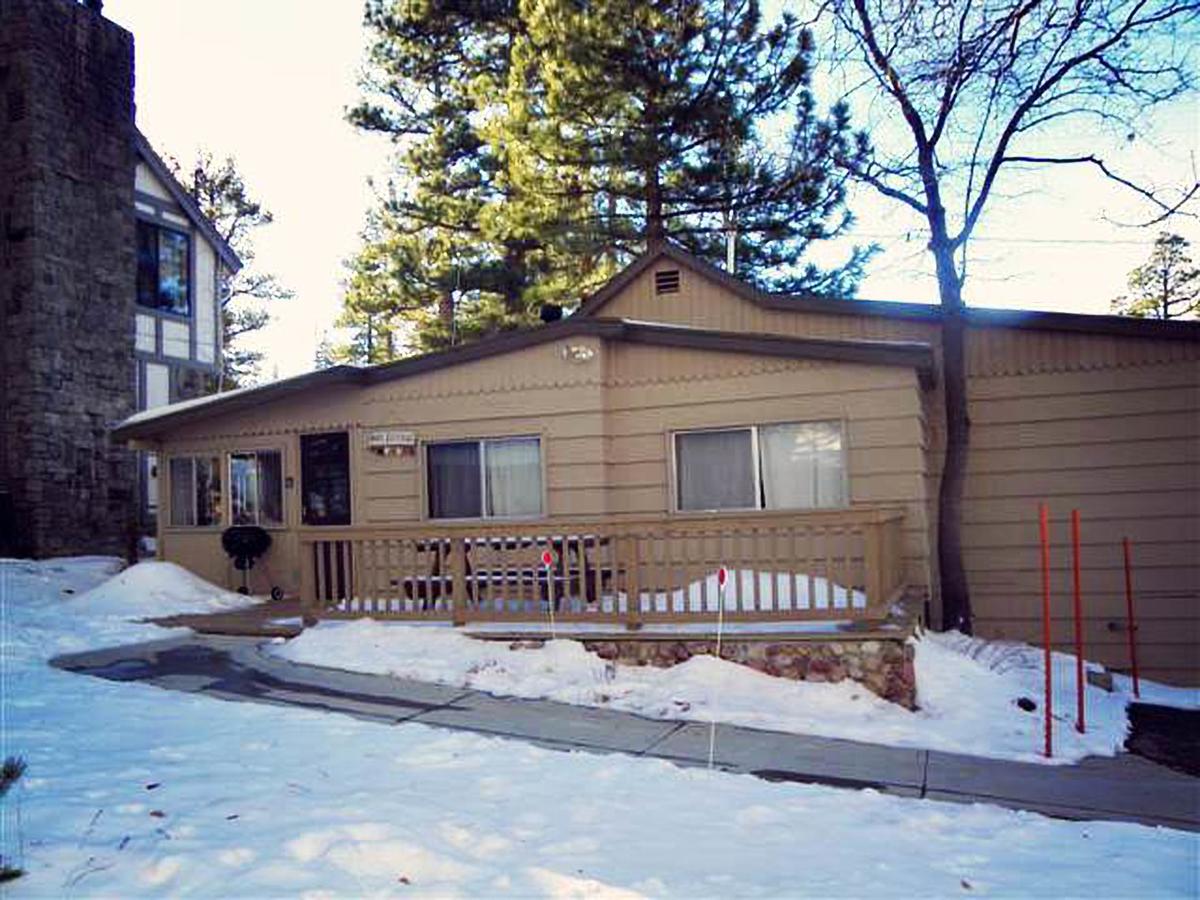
{"type": "Point", "coordinates": [244, 544]}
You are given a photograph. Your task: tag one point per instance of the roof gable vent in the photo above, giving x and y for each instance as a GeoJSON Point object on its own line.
{"type": "Point", "coordinates": [666, 281]}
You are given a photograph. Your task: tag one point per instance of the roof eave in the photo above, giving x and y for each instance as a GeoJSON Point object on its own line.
{"type": "Point", "coordinates": [150, 429]}
{"type": "Point", "coordinates": [913, 355]}
{"type": "Point", "coordinates": [925, 312]}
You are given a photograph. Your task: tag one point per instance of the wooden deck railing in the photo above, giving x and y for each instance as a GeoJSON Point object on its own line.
{"type": "Point", "coordinates": [836, 564]}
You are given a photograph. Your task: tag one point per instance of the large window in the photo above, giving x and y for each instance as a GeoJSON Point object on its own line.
{"type": "Point", "coordinates": [325, 478]}
{"type": "Point", "coordinates": [788, 466]}
{"type": "Point", "coordinates": [256, 487]}
{"type": "Point", "coordinates": [499, 478]}
{"type": "Point", "coordinates": [164, 263]}
{"type": "Point", "coordinates": [195, 490]}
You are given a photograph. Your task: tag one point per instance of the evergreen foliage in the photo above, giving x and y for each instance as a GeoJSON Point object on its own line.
{"type": "Point", "coordinates": [222, 195]}
{"type": "Point", "coordinates": [540, 144]}
{"type": "Point", "coordinates": [1166, 286]}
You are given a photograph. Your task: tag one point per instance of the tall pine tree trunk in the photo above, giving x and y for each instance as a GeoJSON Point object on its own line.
{"type": "Point", "coordinates": [956, 598]}
{"type": "Point", "coordinates": [513, 279]}
{"type": "Point", "coordinates": [446, 314]}
{"type": "Point", "coordinates": [656, 229]}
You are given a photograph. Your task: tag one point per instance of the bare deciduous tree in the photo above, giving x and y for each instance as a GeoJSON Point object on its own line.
{"type": "Point", "coordinates": [982, 87]}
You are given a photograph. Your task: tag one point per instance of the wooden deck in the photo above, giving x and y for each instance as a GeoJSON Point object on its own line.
{"type": "Point", "coordinates": [819, 565]}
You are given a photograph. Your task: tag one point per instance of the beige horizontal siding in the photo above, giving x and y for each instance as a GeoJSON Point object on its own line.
{"type": "Point", "coordinates": [879, 405]}
{"type": "Point", "coordinates": [1122, 447]}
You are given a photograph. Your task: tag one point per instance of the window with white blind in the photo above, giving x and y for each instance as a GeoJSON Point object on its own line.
{"type": "Point", "coordinates": [794, 465]}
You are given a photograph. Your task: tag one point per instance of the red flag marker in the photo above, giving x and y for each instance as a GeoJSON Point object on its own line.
{"type": "Point", "coordinates": [1048, 700]}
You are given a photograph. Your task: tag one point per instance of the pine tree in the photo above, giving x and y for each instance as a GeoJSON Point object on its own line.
{"type": "Point", "coordinates": [436, 252]}
{"type": "Point", "coordinates": [540, 144]}
{"type": "Point", "coordinates": [222, 195]}
{"type": "Point", "coordinates": [1167, 286]}
{"type": "Point", "coordinates": [662, 113]}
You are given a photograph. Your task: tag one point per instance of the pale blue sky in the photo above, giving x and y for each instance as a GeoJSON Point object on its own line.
{"type": "Point", "coordinates": [267, 81]}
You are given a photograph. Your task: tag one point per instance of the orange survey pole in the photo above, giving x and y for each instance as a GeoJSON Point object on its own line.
{"type": "Point", "coordinates": [1048, 705]}
{"type": "Point", "coordinates": [1080, 723]}
{"type": "Point", "coordinates": [1131, 623]}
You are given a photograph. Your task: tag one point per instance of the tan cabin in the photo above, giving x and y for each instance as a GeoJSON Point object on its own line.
{"type": "Point", "coordinates": [610, 463]}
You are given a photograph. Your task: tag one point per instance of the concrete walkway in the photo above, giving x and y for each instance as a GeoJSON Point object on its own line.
{"type": "Point", "coordinates": [1125, 788]}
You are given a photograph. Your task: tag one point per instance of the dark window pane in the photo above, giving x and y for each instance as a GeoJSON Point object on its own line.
{"type": "Point", "coordinates": [208, 491]}
{"type": "Point", "coordinates": [715, 470]}
{"type": "Point", "coordinates": [325, 478]}
{"type": "Point", "coordinates": [147, 263]}
{"type": "Point", "coordinates": [173, 268]}
{"type": "Point", "coordinates": [270, 487]}
{"type": "Point", "coordinates": [183, 491]}
{"type": "Point", "coordinates": [195, 491]}
{"type": "Point", "coordinates": [455, 491]}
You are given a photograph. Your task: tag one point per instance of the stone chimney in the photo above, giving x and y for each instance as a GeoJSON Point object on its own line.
{"type": "Point", "coordinates": [67, 275]}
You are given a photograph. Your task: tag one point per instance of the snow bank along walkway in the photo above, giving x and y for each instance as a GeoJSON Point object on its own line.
{"type": "Point", "coordinates": [1124, 788]}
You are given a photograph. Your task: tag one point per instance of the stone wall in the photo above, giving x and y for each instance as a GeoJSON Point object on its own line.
{"type": "Point", "coordinates": [884, 665]}
{"type": "Point", "coordinates": [67, 273]}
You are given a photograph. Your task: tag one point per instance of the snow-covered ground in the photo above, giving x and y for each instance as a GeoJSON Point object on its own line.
{"type": "Point", "coordinates": [137, 791]}
{"type": "Point", "coordinates": [967, 690]}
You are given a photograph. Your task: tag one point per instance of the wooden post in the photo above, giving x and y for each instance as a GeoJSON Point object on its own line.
{"type": "Point", "coordinates": [874, 575]}
{"type": "Point", "coordinates": [633, 586]}
{"type": "Point", "coordinates": [458, 579]}
{"type": "Point", "coordinates": [308, 586]}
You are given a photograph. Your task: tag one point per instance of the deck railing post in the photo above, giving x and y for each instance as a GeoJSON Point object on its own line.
{"type": "Point", "coordinates": [633, 584]}
{"type": "Point", "coordinates": [309, 609]}
{"type": "Point", "coordinates": [458, 572]}
{"type": "Point", "coordinates": [873, 564]}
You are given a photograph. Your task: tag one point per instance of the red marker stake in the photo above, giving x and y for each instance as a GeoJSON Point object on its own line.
{"type": "Point", "coordinates": [1130, 621]}
{"type": "Point", "coordinates": [1080, 722]}
{"type": "Point", "coordinates": [1044, 524]}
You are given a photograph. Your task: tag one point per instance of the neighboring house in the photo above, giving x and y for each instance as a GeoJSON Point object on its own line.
{"type": "Point", "coordinates": [183, 263]}
{"type": "Point", "coordinates": [681, 420]}
{"type": "Point", "coordinates": [109, 279]}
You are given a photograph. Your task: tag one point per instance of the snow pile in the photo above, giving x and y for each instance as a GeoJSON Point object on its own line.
{"type": "Point", "coordinates": [776, 590]}
{"type": "Point", "coordinates": [1025, 663]}
{"type": "Point", "coordinates": [154, 589]}
{"type": "Point", "coordinates": [134, 791]}
{"type": "Point", "coordinates": [98, 603]}
{"type": "Point", "coordinates": [966, 704]}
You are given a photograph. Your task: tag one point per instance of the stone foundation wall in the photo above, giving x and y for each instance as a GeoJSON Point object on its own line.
{"type": "Point", "coordinates": [884, 666]}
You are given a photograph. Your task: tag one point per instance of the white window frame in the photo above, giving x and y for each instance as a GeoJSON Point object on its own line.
{"type": "Point", "coordinates": [483, 513]}
{"type": "Point", "coordinates": [673, 449]}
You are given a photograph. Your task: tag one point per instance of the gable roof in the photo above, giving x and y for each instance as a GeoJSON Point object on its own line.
{"type": "Point", "coordinates": [185, 200]}
{"type": "Point", "coordinates": [927, 312]}
{"type": "Point", "coordinates": [151, 423]}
